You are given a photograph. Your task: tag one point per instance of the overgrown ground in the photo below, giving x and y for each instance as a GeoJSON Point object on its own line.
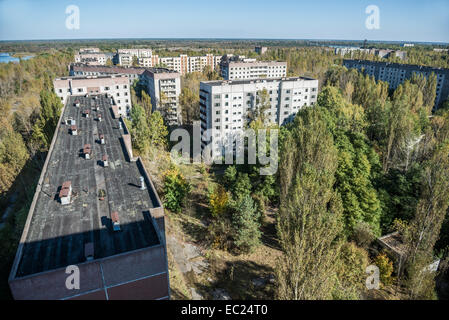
{"type": "Point", "coordinates": [245, 276]}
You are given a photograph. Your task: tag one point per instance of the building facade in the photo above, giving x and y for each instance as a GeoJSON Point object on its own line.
{"type": "Point", "coordinates": [164, 88]}
{"type": "Point", "coordinates": [224, 105]}
{"type": "Point", "coordinates": [260, 50]}
{"type": "Point", "coordinates": [91, 58]}
{"type": "Point", "coordinates": [238, 68]}
{"type": "Point", "coordinates": [395, 74]}
{"type": "Point", "coordinates": [125, 57]}
{"type": "Point", "coordinates": [116, 87]}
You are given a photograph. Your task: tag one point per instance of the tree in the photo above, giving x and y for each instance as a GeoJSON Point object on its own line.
{"type": "Point", "coordinates": [146, 103]}
{"type": "Point", "coordinates": [189, 102]}
{"type": "Point", "coordinates": [50, 112]}
{"type": "Point", "coordinates": [309, 221]}
{"type": "Point", "coordinates": [135, 62]}
{"type": "Point", "coordinates": [257, 114]}
{"type": "Point", "coordinates": [157, 130]}
{"type": "Point", "coordinates": [245, 222]}
{"type": "Point", "coordinates": [140, 131]}
{"type": "Point", "coordinates": [176, 189]}
{"type": "Point", "coordinates": [218, 201]}
{"type": "Point", "coordinates": [426, 225]}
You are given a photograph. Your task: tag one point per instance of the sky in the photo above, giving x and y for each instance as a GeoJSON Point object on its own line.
{"type": "Point", "coordinates": [399, 20]}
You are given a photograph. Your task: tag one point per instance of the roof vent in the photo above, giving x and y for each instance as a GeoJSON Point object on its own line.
{"type": "Point", "coordinates": [115, 221]}
{"type": "Point", "coordinates": [142, 183]}
{"type": "Point", "coordinates": [65, 194]}
{"type": "Point", "coordinates": [87, 151]}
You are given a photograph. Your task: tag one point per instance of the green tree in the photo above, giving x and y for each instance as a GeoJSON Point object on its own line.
{"type": "Point", "coordinates": [50, 112]}
{"type": "Point", "coordinates": [157, 130]}
{"type": "Point", "coordinates": [245, 222]}
{"type": "Point", "coordinates": [176, 189]}
{"type": "Point", "coordinates": [140, 132]}
{"type": "Point", "coordinates": [309, 221]}
{"type": "Point", "coordinates": [189, 102]}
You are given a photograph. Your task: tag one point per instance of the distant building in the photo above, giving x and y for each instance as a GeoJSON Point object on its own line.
{"type": "Point", "coordinates": [239, 68]}
{"type": "Point", "coordinates": [116, 87]}
{"type": "Point", "coordinates": [440, 50]}
{"type": "Point", "coordinates": [260, 50]}
{"type": "Point", "coordinates": [125, 57]}
{"type": "Point", "coordinates": [382, 53]}
{"type": "Point", "coordinates": [182, 64]}
{"type": "Point", "coordinates": [90, 220]}
{"type": "Point", "coordinates": [89, 50]}
{"type": "Point", "coordinates": [224, 105]}
{"type": "Point", "coordinates": [91, 58]}
{"type": "Point", "coordinates": [185, 64]}
{"type": "Point", "coordinates": [408, 45]}
{"type": "Point", "coordinates": [156, 80]}
{"type": "Point", "coordinates": [395, 74]}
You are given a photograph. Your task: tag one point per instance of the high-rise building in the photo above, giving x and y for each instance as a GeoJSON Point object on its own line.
{"type": "Point", "coordinates": [395, 74]}
{"type": "Point", "coordinates": [164, 88]}
{"type": "Point", "coordinates": [224, 105]}
{"type": "Point", "coordinates": [95, 229]}
{"type": "Point", "coordinates": [238, 68]}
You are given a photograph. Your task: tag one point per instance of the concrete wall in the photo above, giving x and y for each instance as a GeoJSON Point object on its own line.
{"type": "Point", "coordinates": [140, 274]}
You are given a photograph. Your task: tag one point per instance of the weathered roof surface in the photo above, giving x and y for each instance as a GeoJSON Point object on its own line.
{"type": "Point", "coordinates": [57, 234]}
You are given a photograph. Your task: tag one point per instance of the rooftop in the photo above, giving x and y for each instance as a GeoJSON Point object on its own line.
{"type": "Point", "coordinates": [117, 69]}
{"type": "Point", "coordinates": [58, 234]}
{"type": "Point", "coordinates": [249, 81]}
{"type": "Point", "coordinates": [395, 65]}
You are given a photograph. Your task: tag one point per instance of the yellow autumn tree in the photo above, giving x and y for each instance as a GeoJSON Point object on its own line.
{"type": "Point", "coordinates": [218, 201]}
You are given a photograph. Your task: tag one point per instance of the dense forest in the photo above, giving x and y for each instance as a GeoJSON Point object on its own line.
{"type": "Point", "coordinates": [366, 161]}
{"type": "Point", "coordinates": [29, 114]}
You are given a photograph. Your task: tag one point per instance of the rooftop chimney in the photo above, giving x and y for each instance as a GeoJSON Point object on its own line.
{"type": "Point", "coordinates": [105, 161]}
{"type": "Point", "coordinates": [87, 150]}
{"type": "Point", "coordinates": [142, 183]}
{"type": "Point", "coordinates": [115, 221]}
{"type": "Point", "coordinates": [65, 193]}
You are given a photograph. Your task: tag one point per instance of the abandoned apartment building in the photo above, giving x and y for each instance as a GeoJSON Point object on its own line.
{"type": "Point", "coordinates": [95, 208]}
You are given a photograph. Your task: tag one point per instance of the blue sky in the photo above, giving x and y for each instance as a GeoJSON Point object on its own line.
{"type": "Point", "coordinates": [400, 20]}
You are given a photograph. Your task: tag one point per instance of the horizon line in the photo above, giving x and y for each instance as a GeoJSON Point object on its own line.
{"type": "Point", "coordinates": [230, 38]}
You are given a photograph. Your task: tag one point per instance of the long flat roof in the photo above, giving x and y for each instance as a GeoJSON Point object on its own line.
{"type": "Point", "coordinates": [57, 234]}
{"type": "Point", "coordinates": [396, 65]}
{"type": "Point", "coordinates": [250, 81]}
{"type": "Point", "coordinates": [118, 69]}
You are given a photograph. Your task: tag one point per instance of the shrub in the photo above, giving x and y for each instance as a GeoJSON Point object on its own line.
{"type": "Point", "coordinates": [363, 235]}
{"type": "Point", "coordinates": [218, 201]}
{"type": "Point", "coordinates": [385, 268]}
{"type": "Point", "coordinates": [176, 189]}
